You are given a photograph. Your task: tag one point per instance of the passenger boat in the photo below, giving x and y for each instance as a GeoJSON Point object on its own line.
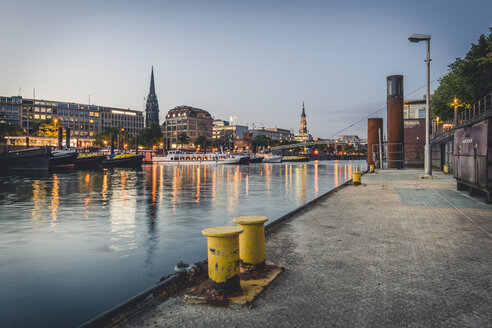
{"type": "Point", "coordinates": [295, 159]}
{"type": "Point", "coordinates": [179, 157]}
{"type": "Point", "coordinates": [89, 161]}
{"type": "Point", "coordinates": [272, 158]}
{"type": "Point", "coordinates": [62, 159]}
{"type": "Point", "coordinates": [255, 159]}
{"type": "Point", "coordinates": [123, 160]}
{"type": "Point", "coordinates": [32, 159]}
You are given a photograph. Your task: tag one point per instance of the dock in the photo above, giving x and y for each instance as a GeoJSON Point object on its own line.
{"type": "Point", "coordinates": [396, 251]}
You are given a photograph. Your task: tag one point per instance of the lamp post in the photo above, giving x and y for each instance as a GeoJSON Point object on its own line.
{"type": "Point", "coordinates": [427, 151]}
{"type": "Point", "coordinates": [455, 102]}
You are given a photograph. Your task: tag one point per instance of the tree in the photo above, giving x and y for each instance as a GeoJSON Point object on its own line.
{"type": "Point", "coordinates": [9, 130]}
{"type": "Point", "coordinates": [183, 139]}
{"type": "Point", "coordinates": [102, 139]}
{"type": "Point", "coordinates": [261, 141]}
{"type": "Point", "coordinates": [48, 128]}
{"type": "Point", "coordinates": [203, 142]}
{"type": "Point", "coordinates": [150, 136]}
{"type": "Point", "coordinates": [468, 79]}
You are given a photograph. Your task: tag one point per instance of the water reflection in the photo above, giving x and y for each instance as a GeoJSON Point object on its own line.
{"type": "Point", "coordinates": [55, 201]}
{"type": "Point", "coordinates": [122, 213]}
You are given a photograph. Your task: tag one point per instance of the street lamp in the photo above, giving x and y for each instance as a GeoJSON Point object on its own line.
{"type": "Point", "coordinates": [427, 151]}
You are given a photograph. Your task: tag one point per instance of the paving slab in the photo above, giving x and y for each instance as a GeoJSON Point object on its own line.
{"type": "Point", "coordinates": [396, 251]}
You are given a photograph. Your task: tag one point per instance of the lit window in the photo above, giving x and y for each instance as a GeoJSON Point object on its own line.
{"type": "Point", "coordinates": [36, 116]}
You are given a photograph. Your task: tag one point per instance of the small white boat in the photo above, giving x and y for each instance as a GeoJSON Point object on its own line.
{"type": "Point", "coordinates": [179, 157]}
{"type": "Point", "coordinates": [268, 158]}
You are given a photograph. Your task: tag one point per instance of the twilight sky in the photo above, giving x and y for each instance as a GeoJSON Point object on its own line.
{"type": "Point", "coordinates": [258, 60]}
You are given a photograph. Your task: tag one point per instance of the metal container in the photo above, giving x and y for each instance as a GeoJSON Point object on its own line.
{"type": "Point", "coordinates": [373, 126]}
{"type": "Point", "coordinates": [472, 160]}
{"type": "Point", "coordinates": [394, 103]}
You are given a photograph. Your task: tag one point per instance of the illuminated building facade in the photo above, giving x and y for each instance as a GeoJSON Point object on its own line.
{"type": "Point", "coordinates": [83, 120]}
{"type": "Point", "coordinates": [194, 122]}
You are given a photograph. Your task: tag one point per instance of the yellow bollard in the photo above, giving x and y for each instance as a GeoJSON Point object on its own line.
{"type": "Point", "coordinates": [223, 258]}
{"type": "Point", "coordinates": [356, 178]}
{"type": "Point", "coordinates": [445, 169]}
{"type": "Point", "coordinates": [371, 168]}
{"type": "Point", "coordinates": [252, 242]}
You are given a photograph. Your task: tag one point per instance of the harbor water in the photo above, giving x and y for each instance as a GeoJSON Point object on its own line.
{"type": "Point", "coordinates": [74, 244]}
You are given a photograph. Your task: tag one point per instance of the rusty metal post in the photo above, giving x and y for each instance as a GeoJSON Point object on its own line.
{"type": "Point", "coordinates": [395, 121]}
{"type": "Point", "coordinates": [373, 125]}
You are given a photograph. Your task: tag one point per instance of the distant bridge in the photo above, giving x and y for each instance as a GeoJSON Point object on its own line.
{"type": "Point", "coordinates": [304, 144]}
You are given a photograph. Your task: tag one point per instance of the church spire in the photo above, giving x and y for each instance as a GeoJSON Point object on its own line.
{"type": "Point", "coordinates": [152, 87]}
{"type": "Point", "coordinates": [152, 106]}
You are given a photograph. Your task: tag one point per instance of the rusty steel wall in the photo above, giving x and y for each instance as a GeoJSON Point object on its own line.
{"type": "Point", "coordinates": [414, 142]}
{"type": "Point", "coordinates": [472, 154]}
{"type": "Point", "coordinates": [394, 103]}
{"type": "Point", "coordinates": [373, 125]}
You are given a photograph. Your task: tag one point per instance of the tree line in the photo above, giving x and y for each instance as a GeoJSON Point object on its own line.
{"type": "Point", "coordinates": [468, 80]}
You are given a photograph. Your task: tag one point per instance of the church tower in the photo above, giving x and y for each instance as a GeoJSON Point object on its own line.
{"type": "Point", "coordinates": [152, 106]}
{"type": "Point", "coordinates": [303, 129]}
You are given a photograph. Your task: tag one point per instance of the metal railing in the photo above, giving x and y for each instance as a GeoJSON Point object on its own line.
{"type": "Point", "coordinates": [387, 150]}
{"type": "Point", "coordinates": [473, 114]}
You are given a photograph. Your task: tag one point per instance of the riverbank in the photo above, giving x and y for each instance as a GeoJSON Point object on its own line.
{"type": "Point", "coordinates": [395, 251]}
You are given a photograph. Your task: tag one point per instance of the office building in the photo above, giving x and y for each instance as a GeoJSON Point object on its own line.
{"type": "Point", "coordinates": [224, 134]}
{"type": "Point", "coordinates": [83, 120]}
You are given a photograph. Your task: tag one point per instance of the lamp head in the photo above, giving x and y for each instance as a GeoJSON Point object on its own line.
{"type": "Point", "coordinates": [419, 37]}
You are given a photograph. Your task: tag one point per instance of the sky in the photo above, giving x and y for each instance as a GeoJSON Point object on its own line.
{"type": "Point", "coordinates": [257, 60]}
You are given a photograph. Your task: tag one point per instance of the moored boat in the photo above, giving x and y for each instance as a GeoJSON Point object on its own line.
{"type": "Point", "coordinates": [255, 159]}
{"type": "Point", "coordinates": [62, 159]}
{"type": "Point", "coordinates": [179, 157]}
{"type": "Point", "coordinates": [89, 161]}
{"type": "Point", "coordinates": [295, 159]}
{"type": "Point", "coordinates": [32, 159]}
{"type": "Point", "coordinates": [272, 159]}
{"type": "Point", "coordinates": [123, 160]}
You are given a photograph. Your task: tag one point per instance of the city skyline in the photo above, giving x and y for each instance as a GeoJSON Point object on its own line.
{"type": "Point", "coordinates": [258, 61]}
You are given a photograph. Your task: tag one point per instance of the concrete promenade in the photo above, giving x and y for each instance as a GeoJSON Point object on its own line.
{"type": "Point", "coordinates": [397, 251]}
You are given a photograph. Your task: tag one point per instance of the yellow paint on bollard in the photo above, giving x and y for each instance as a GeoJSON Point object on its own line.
{"type": "Point", "coordinates": [252, 242]}
{"type": "Point", "coordinates": [356, 178]}
{"type": "Point", "coordinates": [223, 258]}
{"type": "Point", "coordinates": [445, 169]}
{"type": "Point", "coordinates": [371, 168]}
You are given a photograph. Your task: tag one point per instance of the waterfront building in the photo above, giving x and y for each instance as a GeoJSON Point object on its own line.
{"type": "Point", "coordinates": [243, 143]}
{"type": "Point", "coordinates": [152, 106]}
{"type": "Point", "coordinates": [195, 122]}
{"type": "Point", "coordinates": [224, 134]}
{"type": "Point", "coordinates": [83, 120]}
{"type": "Point", "coordinates": [346, 139]}
{"type": "Point", "coordinates": [273, 133]}
{"type": "Point", "coordinates": [303, 135]}
{"type": "Point", "coordinates": [414, 109]}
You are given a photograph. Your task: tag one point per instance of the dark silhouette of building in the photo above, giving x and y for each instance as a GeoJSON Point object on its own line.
{"type": "Point", "coordinates": [152, 107]}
